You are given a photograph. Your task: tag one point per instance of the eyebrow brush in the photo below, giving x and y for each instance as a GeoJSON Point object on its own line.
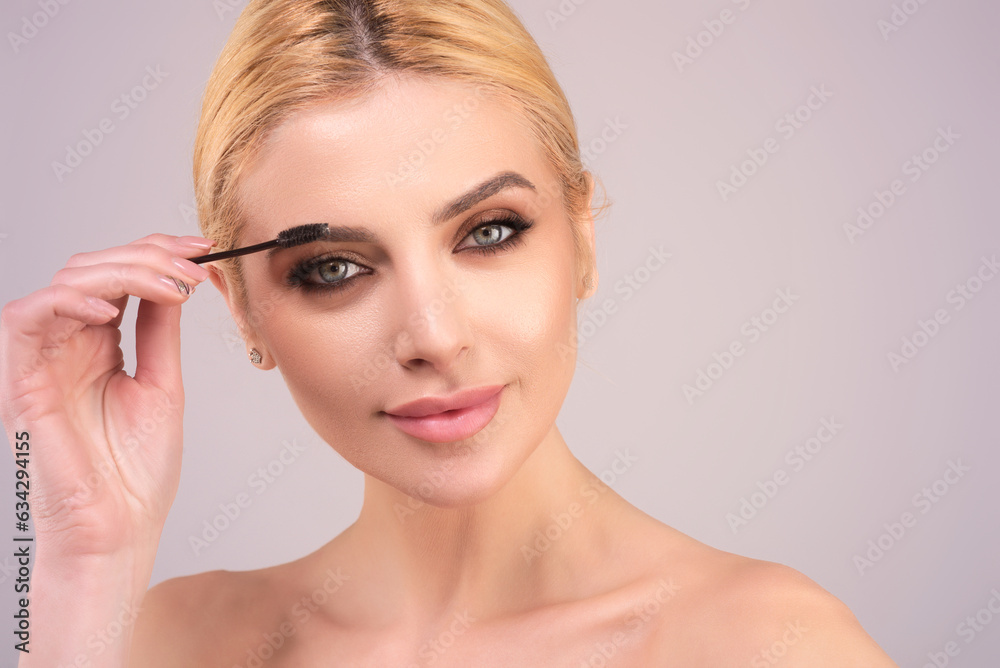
{"type": "Point", "coordinates": [295, 236]}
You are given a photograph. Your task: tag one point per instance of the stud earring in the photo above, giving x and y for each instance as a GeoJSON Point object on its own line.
{"type": "Point", "coordinates": [255, 357]}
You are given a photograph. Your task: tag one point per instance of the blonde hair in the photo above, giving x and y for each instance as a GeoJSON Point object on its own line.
{"type": "Point", "coordinates": [284, 55]}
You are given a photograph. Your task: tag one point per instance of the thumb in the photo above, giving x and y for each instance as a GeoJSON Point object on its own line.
{"type": "Point", "coordinates": [158, 345]}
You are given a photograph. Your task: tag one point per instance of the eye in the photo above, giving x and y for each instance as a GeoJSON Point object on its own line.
{"type": "Point", "coordinates": [333, 272]}
{"type": "Point", "coordinates": [326, 272]}
{"type": "Point", "coordinates": [492, 236]}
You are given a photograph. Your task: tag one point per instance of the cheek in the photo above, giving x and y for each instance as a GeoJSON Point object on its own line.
{"type": "Point", "coordinates": [340, 366]}
{"type": "Point", "coordinates": [330, 365]}
{"type": "Point", "coordinates": [530, 329]}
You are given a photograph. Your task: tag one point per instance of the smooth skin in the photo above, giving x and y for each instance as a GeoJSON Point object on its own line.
{"type": "Point", "coordinates": [101, 480]}
{"type": "Point", "coordinates": [447, 564]}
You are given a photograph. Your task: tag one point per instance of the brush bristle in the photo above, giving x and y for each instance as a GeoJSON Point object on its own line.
{"type": "Point", "coordinates": [303, 234]}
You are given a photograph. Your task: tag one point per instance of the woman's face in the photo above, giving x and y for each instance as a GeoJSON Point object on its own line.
{"type": "Point", "coordinates": [457, 271]}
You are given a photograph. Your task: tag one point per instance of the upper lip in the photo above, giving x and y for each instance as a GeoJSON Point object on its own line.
{"type": "Point", "coordinates": [434, 405]}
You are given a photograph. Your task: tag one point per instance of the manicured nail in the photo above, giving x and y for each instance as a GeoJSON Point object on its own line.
{"type": "Point", "coordinates": [196, 242]}
{"type": "Point", "coordinates": [178, 285]}
{"type": "Point", "coordinates": [102, 307]}
{"type": "Point", "coordinates": [191, 269]}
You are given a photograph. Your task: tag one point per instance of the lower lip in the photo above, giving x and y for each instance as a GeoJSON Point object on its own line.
{"type": "Point", "coordinates": [449, 426]}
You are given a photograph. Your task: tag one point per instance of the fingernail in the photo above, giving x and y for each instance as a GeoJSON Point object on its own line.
{"type": "Point", "coordinates": [102, 307]}
{"type": "Point", "coordinates": [191, 269]}
{"type": "Point", "coordinates": [176, 284]}
{"type": "Point", "coordinates": [196, 242]}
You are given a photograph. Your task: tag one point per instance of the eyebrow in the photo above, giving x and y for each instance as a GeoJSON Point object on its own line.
{"type": "Point", "coordinates": [461, 204]}
{"type": "Point", "coordinates": [484, 190]}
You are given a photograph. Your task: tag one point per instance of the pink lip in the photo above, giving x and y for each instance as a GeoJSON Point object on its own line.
{"type": "Point", "coordinates": [448, 419]}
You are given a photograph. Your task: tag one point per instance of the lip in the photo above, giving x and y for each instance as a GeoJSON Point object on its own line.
{"type": "Point", "coordinates": [447, 419]}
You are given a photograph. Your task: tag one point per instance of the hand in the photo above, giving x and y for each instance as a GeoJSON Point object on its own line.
{"type": "Point", "coordinates": [105, 448]}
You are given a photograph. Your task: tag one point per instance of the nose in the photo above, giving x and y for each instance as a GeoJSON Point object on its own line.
{"type": "Point", "coordinates": [433, 329]}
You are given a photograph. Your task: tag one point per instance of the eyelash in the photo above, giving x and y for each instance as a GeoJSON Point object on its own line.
{"type": "Point", "coordinates": [299, 274]}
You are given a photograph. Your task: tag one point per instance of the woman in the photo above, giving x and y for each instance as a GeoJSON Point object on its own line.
{"type": "Point", "coordinates": [434, 141]}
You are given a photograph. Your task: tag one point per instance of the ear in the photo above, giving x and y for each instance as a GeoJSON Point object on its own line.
{"type": "Point", "coordinates": [588, 263]}
{"type": "Point", "coordinates": [222, 285]}
{"type": "Point", "coordinates": [247, 333]}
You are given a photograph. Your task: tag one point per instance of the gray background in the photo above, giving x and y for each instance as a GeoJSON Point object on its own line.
{"type": "Point", "coordinates": [680, 131]}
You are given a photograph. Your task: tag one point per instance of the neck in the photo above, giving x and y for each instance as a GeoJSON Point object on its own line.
{"type": "Point", "coordinates": [515, 550]}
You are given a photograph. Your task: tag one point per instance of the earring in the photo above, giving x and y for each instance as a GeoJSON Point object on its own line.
{"type": "Point", "coordinates": [255, 357]}
{"type": "Point", "coordinates": [588, 282]}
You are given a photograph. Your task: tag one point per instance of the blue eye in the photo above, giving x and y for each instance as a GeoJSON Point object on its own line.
{"type": "Point", "coordinates": [489, 237]}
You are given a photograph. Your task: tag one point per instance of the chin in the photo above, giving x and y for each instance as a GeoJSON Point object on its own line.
{"type": "Point", "coordinates": [466, 493]}
{"type": "Point", "coordinates": [457, 475]}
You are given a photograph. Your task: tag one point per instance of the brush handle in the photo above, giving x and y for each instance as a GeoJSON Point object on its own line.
{"type": "Point", "coordinates": [236, 252]}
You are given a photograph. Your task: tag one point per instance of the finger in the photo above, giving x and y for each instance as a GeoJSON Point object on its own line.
{"type": "Point", "coordinates": [45, 318]}
{"type": "Point", "coordinates": [136, 251]}
{"type": "Point", "coordinates": [158, 345]}
{"type": "Point", "coordinates": [119, 304]}
{"type": "Point", "coordinates": [112, 281]}
{"type": "Point", "coordinates": [148, 255]}
{"type": "Point", "coordinates": [168, 240]}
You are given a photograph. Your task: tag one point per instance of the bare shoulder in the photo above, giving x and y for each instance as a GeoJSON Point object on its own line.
{"type": "Point", "coordinates": [750, 612]}
{"type": "Point", "coordinates": [201, 619]}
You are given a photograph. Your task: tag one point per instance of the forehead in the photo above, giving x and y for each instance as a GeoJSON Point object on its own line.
{"type": "Point", "coordinates": [399, 150]}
